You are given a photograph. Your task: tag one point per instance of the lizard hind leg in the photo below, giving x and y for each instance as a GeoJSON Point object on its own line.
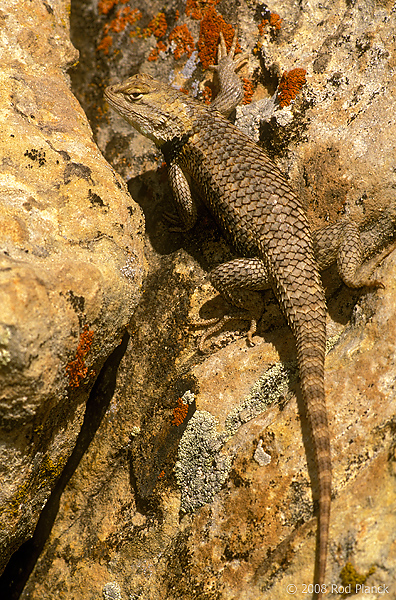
{"type": "Point", "coordinates": [351, 268]}
{"type": "Point", "coordinates": [341, 243]}
{"type": "Point", "coordinates": [239, 281]}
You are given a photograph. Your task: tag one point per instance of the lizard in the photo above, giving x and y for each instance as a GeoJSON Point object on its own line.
{"type": "Point", "coordinates": [263, 219]}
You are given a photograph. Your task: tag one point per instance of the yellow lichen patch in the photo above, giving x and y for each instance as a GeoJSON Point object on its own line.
{"type": "Point", "coordinates": [211, 26]}
{"type": "Point", "coordinates": [50, 471]}
{"type": "Point", "coordinates": [290, 84]}
{"type": "Point", "coordinates": [76, 369]}
{"type": "Point", "coordinates": [350, 578]}
{"type": "Point", "coordinates": [182, 40]}
{"type": "Point", "coordinates": [20, 496]}
{"type": "Point", "coordinates": [179, 413]}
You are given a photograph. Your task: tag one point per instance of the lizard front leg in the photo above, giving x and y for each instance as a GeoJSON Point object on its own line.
{"type": "Point", "coordinates": [240, 281]}
{"type": "Point", "coordinates": [184, 203]}
{"type": "Point", "coordinates": [231, 87]}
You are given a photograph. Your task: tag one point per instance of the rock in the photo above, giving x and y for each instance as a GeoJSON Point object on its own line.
{"type": "Point", "coordinates": [71, 262]}
{"type": "Point", "coordinates": [170, 501]}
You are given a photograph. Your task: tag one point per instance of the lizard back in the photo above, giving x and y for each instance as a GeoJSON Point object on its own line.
{"type": "Point", "coordinates": [261, 216]}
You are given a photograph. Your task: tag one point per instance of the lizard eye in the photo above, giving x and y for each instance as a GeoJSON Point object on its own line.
{"type": "Point", "coordinates": [135, 95]}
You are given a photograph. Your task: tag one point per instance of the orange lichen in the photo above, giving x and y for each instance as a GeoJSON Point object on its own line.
{"type": "Point", "coordinates": [207, 95]}
{"type": "Point", "coordinates": [274, 22]}
{"type": "Point", "coordinates": [154, 54]}
{"type": "Point", "coordinates": [124, 16]}
{"type": "Point", "coordinates": [197, 8]}
{"type": "Point", "coordinates": [248, 90]}
{"type": "Point", "coordinates": [290, 84]}
{"type": "Point", "coordinates": [182, 40]}
{"type": "Point", "coordinates": [161, 475]}
{"type": "Point", "coordinates": [262, 26]}
{"type": "Point", "coordinates": [105, 44]}
{"type": "Point", "coordinates": [211, 26]}
{"type": "Point", "coordinates": [105, 6]}
{"type": "Point", "coordinates": [157, 26]}
{"type": "Point", "coordinates": [76, 369]}
{"type": "Point", "coordinates": [179, 413]}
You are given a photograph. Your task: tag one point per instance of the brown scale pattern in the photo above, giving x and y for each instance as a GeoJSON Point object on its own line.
{"type": "Point", "coordinates": [262, 218]}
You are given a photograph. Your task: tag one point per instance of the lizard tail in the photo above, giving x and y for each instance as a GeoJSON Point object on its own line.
{"type": "Point", "coordinates": [311, 352]}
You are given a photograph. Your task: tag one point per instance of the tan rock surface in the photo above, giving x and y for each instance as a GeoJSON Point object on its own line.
{"type": "Point", "coordinates": [71, 262]}
{"type": "Point", "coordinates": [240, 461]}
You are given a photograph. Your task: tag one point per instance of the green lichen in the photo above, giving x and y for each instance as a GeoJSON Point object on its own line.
{"type": "Point", "coordinates": [350, 578]}
{"type": "Point", "coordinates": [48, 472]}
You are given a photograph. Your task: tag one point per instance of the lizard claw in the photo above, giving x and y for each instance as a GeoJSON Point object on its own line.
{"type": "Point", "coordinates": [222, 48]}
{"type": "Point", "coordinates": [223, 54]}
{"type": "Point", "coordinates": [218, 323]}
{"type": "Point", "coordinates": [231, 87]}
{"type": "Point", "coordinates": [251, 332]}
{"type": "Point", "coordinates": [233, 44]}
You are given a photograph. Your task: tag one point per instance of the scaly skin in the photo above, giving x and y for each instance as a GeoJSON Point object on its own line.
{"type": "Point", "coordinates": [262, 218]}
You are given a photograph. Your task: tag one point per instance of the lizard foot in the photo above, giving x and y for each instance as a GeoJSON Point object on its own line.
{"type": "Point", "coordinates": [363, 280]}
{"type": "Point", "coordinates": [224, 56]}
{"type": "Point", "coordinates": [214, 325]}
{"type": "Point", "coordinates": [231, 88]}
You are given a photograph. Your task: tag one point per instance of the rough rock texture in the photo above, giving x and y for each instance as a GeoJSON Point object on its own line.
{"type": "Point", "coordinates": [71, 262]}
{"type": "Point", "coordinates": [199, 482]}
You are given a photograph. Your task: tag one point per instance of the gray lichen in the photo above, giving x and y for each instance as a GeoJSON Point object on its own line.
{"type": "Point", "coordinates": [201, 468]}
{"type": "Point", "coordinates": [261, 456]}
{"type": "Point", "coordinates": [111, 591]}
{"type": "Point", "coordinates": [5, 354]}
{"type": "Point", "coordinates": [273, 385]}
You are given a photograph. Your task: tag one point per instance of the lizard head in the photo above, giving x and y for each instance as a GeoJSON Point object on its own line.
{"type": "Point", "coordinates": [156, 110]}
